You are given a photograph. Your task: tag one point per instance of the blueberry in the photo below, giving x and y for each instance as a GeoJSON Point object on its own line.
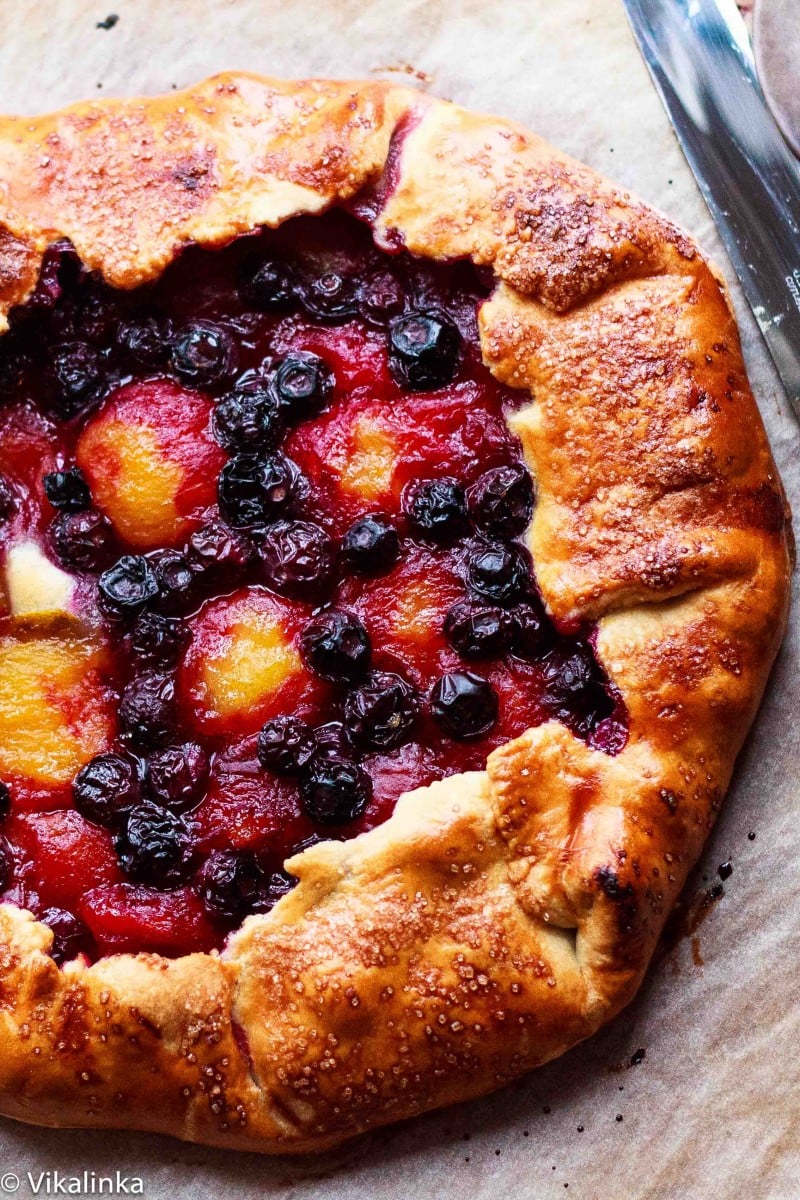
{"type": "Point", "coordinates": [82, 541]}
{"type": "Point", "coordinates": [203, 354]}
{"type": "Point", "coordinates": [268, 285]}
{"type": "Point", "coordinates": [329, 296]}
{"type": "Point", "coordinates": [336, 646]}
{"type": "Point", "coordinates": [12, 363]}
{"type": "Point", "coordinates": [176, 776]}
{"type": "Point", "coordinates": [254, 490]}
{"type": "Point", "coordinates": [303, 384]}
{"type": "Point", "coordinates": [465, 705]}
{"type": "Point", "coordinates": [70, 935]}
{"type": "Point", "coordinates": [380, 297]}
{"type": "Point", "coordinates": [285, 744]}
{"type": "Point", "coordinates": [85, 311]}
{"type": "Point", "coordinates": [217, 550]}
{"type": "Point", "coordinates": [5, 800]}
{"type": "Point", "coordinates": [531, 632]}
{"type": "Point", "coordinates": [93, 315]}
{"type": "Point", "coordinates": [78, 378]}
{"type": "Point", "coordinates": [146, 340]}
{"type": "Point", "coordinates": [436, 509]}
{"type": "Point", "coordinates": [574, 690]}
{"type": "Point", "coordinates": [499, 572]}
{"type": "Point", "coordinates": [60, 269]}
{"type": "Point", "coordinates": [249, 417]}
{"type": "Point", "coordinates": [334, 791]}
{"type": "Point", "coordinates": [423, 350]}
{"type": "Point", "coordinates": [298, 559]}
{"type": "Point", "coordinates": [371, 545]}
{"type": "Point", "coordinates": [8, 499]}
{"type": "Point", "coordinates": [381, 713]}
{"type": "Point", "coordinates": [154, 846]}
{"type": "Point", "coordinates": [228, 883]}
{"type": "Point", "coordinates": [477, 630]}
{"type": "Point", "coordinates": [175, 579]}
{"type": "Point", "coordinates": [501, 502]}
{"type": "Point", "coordinates": [331, 742]}
{"type": "Point", "coordinates": [106, 789]}
{"type": "Point", "coordinates": [157, 640]}
{"type": "Point", "coordinates": [147, 709]}
{"type": "Point", "coordinates": [68, 490]}
{"type": "Point", "coordinates": [127, 587]}
{"type": "Point", "coordinates": [277, 885]}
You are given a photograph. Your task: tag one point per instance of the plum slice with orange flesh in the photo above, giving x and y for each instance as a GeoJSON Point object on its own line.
{"type": "Point", "coordinates": [368, 467]}
{"type": "Point", "coordinates": [242, 665]}
{"type": "Point", "coordinates": [64, 855]}
{"type": "Point", "coordinates": [57, 707]}
{"type": "Point", "coordinates": [152, 462]}
{"type": "Point", "coordinates": [128, 918]}
{"type": "Point", "coordinates": [351, 453]}
{"type": "Point", "coordinates": [247, 808]}
{"type": "Point", "coordinates": [406, 609]}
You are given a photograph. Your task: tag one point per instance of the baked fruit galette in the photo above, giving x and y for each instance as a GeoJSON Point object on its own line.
{"type": "Point", "coordinates": [392, 563]}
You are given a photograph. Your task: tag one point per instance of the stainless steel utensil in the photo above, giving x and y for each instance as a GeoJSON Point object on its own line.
{"type": "Point", "coordinates": [699, 55]}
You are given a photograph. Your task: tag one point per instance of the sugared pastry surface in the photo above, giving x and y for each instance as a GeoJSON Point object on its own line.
{"type": "Point", "coordinates": [392, 563]}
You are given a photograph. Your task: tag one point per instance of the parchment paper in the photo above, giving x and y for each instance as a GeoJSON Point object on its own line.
{"type": "Point", "coordinates": [713, 1110]}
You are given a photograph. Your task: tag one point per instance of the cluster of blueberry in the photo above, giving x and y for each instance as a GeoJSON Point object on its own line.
{"type": "Point", "coordinates": [264, 532]}
{"type": "Point", "coordinates": [93, 343]}
{"type": "Point", "coordinates": [381, 708]}
{"type": "Point", "coordinates": [143, 802]}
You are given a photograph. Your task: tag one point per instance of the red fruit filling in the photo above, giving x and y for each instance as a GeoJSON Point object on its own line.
{"type": "Point", "coordinates": [151, 461]}
{"type": "Point", "coordinates": [284, 517]}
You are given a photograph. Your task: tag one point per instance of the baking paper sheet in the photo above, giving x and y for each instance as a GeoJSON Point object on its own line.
{"type": "Point", "coordinates": [713, 1107]}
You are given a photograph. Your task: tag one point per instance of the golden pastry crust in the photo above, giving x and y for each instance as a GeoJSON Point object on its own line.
{"type": "Point", "coordinates": [498, 917]}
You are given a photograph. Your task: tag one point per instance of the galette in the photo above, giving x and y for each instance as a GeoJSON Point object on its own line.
{"type": "Point", "coordinates": [391, 560]}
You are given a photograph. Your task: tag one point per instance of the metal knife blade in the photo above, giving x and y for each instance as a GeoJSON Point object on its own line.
{"type": "Point", "coordinates": [699, 56]}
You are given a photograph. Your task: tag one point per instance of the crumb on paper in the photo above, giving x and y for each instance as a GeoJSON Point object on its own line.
{"type": "Point", "coordinates": [109, 22]}
{"type": "Point", "coordinates": [403, 68]}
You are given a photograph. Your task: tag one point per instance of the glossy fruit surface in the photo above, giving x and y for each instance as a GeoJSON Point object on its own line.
{"type": "Point", "coordinates": [380, 714]}
{"type": "Point", "coordinates": [334, 791]}
{"type": "Point", "coordinates": [336, 646]}
{"type": "Point", "coordinates": [249, 417]}
{"type": "Point", "coordinates": [151, 460]}
{"type": "Point", "coordinates": [67, 491]}
{"type": "Point", "coordinates": [298, 559]}
{"type": "Point", "coordinates": [127, 586]}
{"type": "Point", "coordinates": [286, 494]}
{"type": "Point", "coordinates": [285, 744]}
{"type": "Point", "coordinates": [106, 789]}
{"type": "Point", "coordinates": [501, 501]}
{"type": "Point", "coordinates": [436, 509]}
{"type": "Point", "coordinates": [257, 489]}
{"type": "Point", "coordinates": [477, 630]}
{"type": "Point", "coordinates": [464, 704]}
{"type": "Point", "coordinates": [303, 384]}
{"type": "Point", "coordinates": [203, 354]}
{"type": "Point", "coordinates": [423, 349]}
{"type": "Point", "coordinates": [154, 846]}
{"type": "Point", "coordinates": [371, 545]}
{"type": "Point", "coordinates": [82, 541]}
